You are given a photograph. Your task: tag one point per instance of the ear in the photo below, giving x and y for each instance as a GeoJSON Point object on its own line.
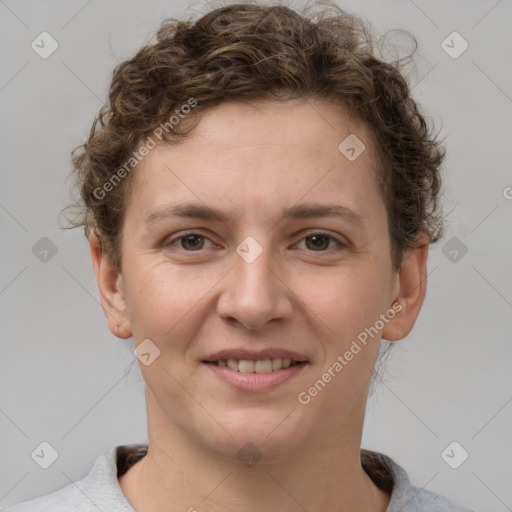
{"type": "Point", "coordinates": [412, 287]}
{"type": "Point", "coordinates": [110, 285]}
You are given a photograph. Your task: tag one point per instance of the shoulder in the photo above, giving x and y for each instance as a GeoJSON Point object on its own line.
{"type": "Point", "coordinates": [98, 490]}
{"type": "Point", "coordinates": [405, 497]}
{"type": "Point", "coordinates": [66, 499]}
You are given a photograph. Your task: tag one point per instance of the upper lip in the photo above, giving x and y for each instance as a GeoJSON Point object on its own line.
{"type": "Point", "coordinates": [255, 355]}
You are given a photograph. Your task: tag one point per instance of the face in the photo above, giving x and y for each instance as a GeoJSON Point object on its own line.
{"type": "Point", "coordinates": [256, 242]}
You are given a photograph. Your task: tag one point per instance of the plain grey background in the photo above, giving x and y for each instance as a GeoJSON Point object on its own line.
{"type": "Point", "coordinates": [67, 381]}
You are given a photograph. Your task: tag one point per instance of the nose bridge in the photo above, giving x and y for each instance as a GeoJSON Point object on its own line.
{"type": "Point", "coordinates": [253, 282]}
{"type": "Point", "coordinates": [253, 294]}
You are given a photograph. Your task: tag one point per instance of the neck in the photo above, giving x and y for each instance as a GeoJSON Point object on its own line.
{"type": "Point", "coordinates": [180, 474]}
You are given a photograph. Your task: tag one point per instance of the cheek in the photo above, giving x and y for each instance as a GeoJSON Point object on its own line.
{"type": "Point", "coordinates": [348, 305]}
{"type": "Point", "coordinates": [164, 299]}
{"type": "Point", "coordinates": [346, 301]}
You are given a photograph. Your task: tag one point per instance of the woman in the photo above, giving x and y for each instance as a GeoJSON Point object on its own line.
{"type": "Point", "coordinates": [259, 195]}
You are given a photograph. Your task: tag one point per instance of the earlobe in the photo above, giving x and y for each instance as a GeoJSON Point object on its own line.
{"type": "Point", "coordinates": [110, 286]}
{"type": "Point", "coordinates": [412, 281]}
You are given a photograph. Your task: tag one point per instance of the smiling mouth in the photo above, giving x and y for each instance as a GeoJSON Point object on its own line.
{"type": "Point", "coordinates": [256, 366]}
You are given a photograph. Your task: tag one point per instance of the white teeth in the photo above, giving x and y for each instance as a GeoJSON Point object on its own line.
{"type": "Point", "coordinates": [263, 366]}
{"type": "Point", "coordinates": [233, 364]}
{"type": "Point", "coordinates": [246, 366]}
{"type": "Point", "coordinates": [259, 366]}
{"type": "Point", "coordinates": [277, 363]}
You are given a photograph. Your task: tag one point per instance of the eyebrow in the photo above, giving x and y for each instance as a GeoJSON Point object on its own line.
{"type": "Point", "coordinates": [301, 211]}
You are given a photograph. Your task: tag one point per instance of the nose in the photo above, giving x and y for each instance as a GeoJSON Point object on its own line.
{"type": "Point", "coordinates": [254, 294]}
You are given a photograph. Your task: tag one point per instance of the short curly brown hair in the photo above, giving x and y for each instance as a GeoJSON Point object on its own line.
{"type": "Point", "coordinates": [248, 52]}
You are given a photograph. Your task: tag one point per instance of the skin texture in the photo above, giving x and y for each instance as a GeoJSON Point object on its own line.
{"type": "Point", "coordinates": [253, 161]}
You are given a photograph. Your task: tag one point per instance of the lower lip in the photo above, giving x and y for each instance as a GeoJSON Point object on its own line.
{"type": "Point", "coordinates": [255, 381]}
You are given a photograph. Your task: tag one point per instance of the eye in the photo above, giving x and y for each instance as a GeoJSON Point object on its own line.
{"type": "Point", "coordinates": [319, 241]}
{"type": "Point", "coordinates": [189, 241]}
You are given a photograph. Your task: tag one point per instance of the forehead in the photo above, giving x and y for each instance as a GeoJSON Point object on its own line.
{"type": "Point", "coordinates": [262, 155]}
{"type": "Point", "coordinates": [309, 125]}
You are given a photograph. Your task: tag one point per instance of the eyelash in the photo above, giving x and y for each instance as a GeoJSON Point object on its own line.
{"type": "Point", "coordinates": [341, 245]}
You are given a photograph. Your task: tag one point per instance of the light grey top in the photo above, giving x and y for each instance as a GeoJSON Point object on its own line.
{"type": "Point", "coordinates": [100, 489]}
